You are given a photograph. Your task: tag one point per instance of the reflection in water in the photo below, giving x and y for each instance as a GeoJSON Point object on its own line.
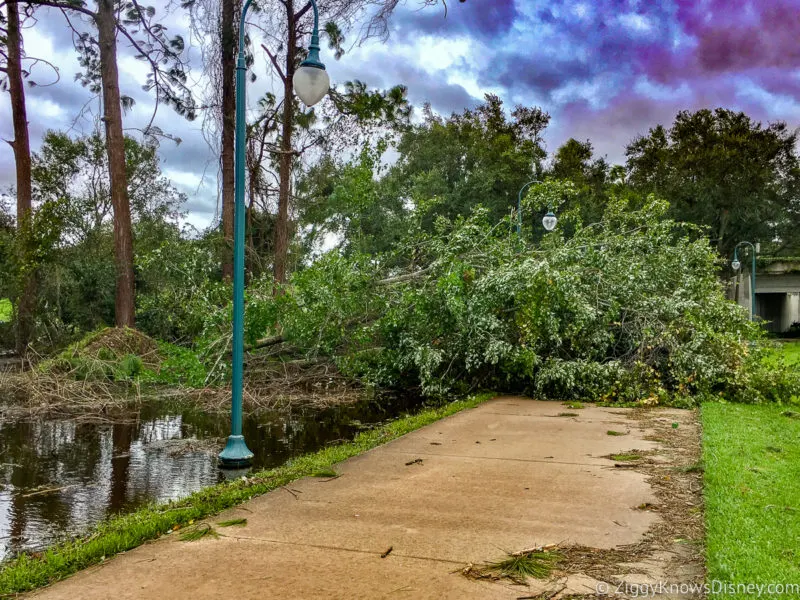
{"type": "Point", "coordinates": [59, 477]}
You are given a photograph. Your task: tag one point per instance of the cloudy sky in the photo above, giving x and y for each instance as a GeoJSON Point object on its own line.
{"type": "Point", "coordinates": [606, 70]}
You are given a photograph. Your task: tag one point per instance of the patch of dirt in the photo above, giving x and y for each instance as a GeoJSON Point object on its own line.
{"type": "Point", "coordinates": [672, 550]}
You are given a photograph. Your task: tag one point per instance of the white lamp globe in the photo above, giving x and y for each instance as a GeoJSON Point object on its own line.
{"type": "Point", "coordinates": [549, 221]}
{"type": "Point", "coordinates": [311, 84]}
{"type": "Point", "coordinates": [735, 264]}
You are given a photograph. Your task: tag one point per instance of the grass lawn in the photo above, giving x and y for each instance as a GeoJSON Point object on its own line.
{"type": "Point", "coordinates": [5, 310]}
{"type": "Point", "coordinates": [751, 455]}
{"type": "Point", "coordinates": [786, 352]}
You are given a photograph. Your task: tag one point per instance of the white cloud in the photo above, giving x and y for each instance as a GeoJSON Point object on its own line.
{"type": "Point", "coordinates": [635, 23]}
{"type": "Point", "coordinates": [45, 108]}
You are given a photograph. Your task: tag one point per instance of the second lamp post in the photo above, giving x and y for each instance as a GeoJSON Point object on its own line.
{"type": "Point", "coordinates": [548, 221]}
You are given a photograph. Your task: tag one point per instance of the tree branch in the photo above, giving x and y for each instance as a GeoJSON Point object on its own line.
{"type": "Point", "coordinates": [402, 278]}
{"type": "Point", "coordinates": [299, 14]}
{"type": "Point", "coordinates": [275, 63]}
{"type": "Point", "coordinates": [65, 6]}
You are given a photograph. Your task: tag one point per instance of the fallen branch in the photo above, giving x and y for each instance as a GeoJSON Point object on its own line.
{"type": "Point", "coordinates": [402, 278]}
{"type": "Point", "coordinates": [264, 343]}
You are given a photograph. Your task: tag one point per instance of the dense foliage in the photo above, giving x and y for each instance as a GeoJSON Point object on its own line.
{"type": "Point", "coordinates": [412, 274]}
{"type": "Point", "coordinates": [628, 309]}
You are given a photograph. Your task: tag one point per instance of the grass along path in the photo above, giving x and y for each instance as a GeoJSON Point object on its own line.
{"type": "Point", "coordinates": [752, 494]}
{"type": "Point", "coordinates": [124, 532]}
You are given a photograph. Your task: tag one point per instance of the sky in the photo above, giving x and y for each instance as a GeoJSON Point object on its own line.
{"type": "Point", "coordinates": [605, 70]}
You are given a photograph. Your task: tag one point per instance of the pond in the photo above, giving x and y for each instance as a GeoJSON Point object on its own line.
{"type": "Point", "coordinates": [58, 477]}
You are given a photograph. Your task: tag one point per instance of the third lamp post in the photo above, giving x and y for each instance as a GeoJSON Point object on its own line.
{"type": "Point", "coordinates": [736, 265]}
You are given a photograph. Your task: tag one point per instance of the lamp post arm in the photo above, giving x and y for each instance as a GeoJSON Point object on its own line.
{"type": "Point", "coordinates": [313, 60]}
{"type": "Point", "coordinates": [245, 8]}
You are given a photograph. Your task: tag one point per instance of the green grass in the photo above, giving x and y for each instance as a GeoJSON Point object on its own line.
{"type": "Point", "coordinates": [328, 471]}
{"type": "Point", "coordinates": [615, 433]}
{"type": "Point", "coordinates": [6, 310]}
{"type": "Point", "coordinates": [573, 404]}
{"type": "Point", "coordinates": [751, 455]}
{"type": "Point", "coordinates": [198, 532]}
{"type": "Point", "coordinates": [787, 353]}
{"type": "Point", "coordinates": [626, 456]}
{"type": "Point", "coordinates": [124, 532]}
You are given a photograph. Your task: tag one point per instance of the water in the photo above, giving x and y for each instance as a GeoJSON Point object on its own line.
{"type": "Point", "coordinates": [58, 477]}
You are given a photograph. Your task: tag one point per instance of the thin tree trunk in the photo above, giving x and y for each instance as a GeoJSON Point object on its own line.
{"type": "Point", "coordinates": [26, 302]}
{"type": "Point", "coordinates": [124, 305]}
{"type": "Point", "coordinates": [228, 59]}
{"type": "Point", "coordinates": [282, 222]}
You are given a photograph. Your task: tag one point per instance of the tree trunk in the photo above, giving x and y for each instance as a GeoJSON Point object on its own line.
{"type": "Point", "coordinates": [282, 222]}
{"type": "Point", "coordinates": [124, 305]}
{"type": "Point", "coordinates": [26, 302]}
{"type": "Point", "coordinates": [228, 59]}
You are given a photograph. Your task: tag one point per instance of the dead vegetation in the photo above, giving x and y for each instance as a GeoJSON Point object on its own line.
{"type": "Point", "coordinates": [101, 374]}
{"type": "Point", "coordinates": [32, 394]}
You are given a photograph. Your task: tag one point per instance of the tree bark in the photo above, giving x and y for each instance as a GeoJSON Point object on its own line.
{"type": "Point", "coordinates": [124, 304]}
{"type": "Point", "coordinates": [282, 222]}
{"type": "Point", "coordinates": [228, 60]}
{"type": "Point", "coordinates": [26, 302]}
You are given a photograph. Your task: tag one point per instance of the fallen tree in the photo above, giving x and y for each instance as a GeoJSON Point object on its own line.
{"type": "Point", "coordinates": [629, 309]}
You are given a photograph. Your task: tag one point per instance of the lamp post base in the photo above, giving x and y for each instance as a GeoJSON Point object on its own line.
{"type": "Point", "coordinates": [236, 454]}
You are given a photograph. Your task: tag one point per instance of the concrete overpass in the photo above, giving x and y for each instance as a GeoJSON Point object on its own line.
{"type": "Point", "coordinates": [777, 292]}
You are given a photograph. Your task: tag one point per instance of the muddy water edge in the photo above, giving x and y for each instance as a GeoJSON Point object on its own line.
{"type": "Point", "coordinates": [61, 475]}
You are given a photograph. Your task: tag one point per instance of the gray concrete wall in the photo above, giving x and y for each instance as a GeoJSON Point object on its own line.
{"type": "Point", "coordinates": [777, 298]}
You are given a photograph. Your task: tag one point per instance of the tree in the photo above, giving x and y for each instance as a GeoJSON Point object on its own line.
{"type": "Point", "coordinates": [74, 172]}
{"type": "Point", "coordinates": [723, 170]}
{"type": "Point", "coordinates": [477, 157]}
{"type": "Point", "coordinates": [574, 161]}
{"type": "Point", "coordinates": [352, 203]}
{"type": "Point", "coordinates": [98, 56]}
{"type": "Point", "coordinates": [26, 300]}
{"type": "Point", "coordinates": [73, 224]}
{"type": "Point", "coordinates": [216, 23]}
{"type": "Point", "coordinates": [284, 23]}
{"type": "Point", "coordinates": [228, 38]}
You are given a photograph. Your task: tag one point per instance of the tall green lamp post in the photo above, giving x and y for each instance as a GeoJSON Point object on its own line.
{"type": "Point", "coordinates": [736, 265]}
{"type": "Point", "coordinates": [549, 221]}
{"type": "Point", "coordinates": [311, 83]}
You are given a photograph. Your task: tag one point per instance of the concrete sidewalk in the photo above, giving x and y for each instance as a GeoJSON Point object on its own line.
{"type": "Point", "coordinates": [508, 475]}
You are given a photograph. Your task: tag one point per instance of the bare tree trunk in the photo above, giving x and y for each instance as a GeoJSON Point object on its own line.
{"type": "Point", "coordinates": [282, 222]}
{"type": "Point", "coordinates": [26, 302]}
{"type": "Point", "coordinates": [124, 305]}
{"type": "Point", "coordinates": [228, 56]}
